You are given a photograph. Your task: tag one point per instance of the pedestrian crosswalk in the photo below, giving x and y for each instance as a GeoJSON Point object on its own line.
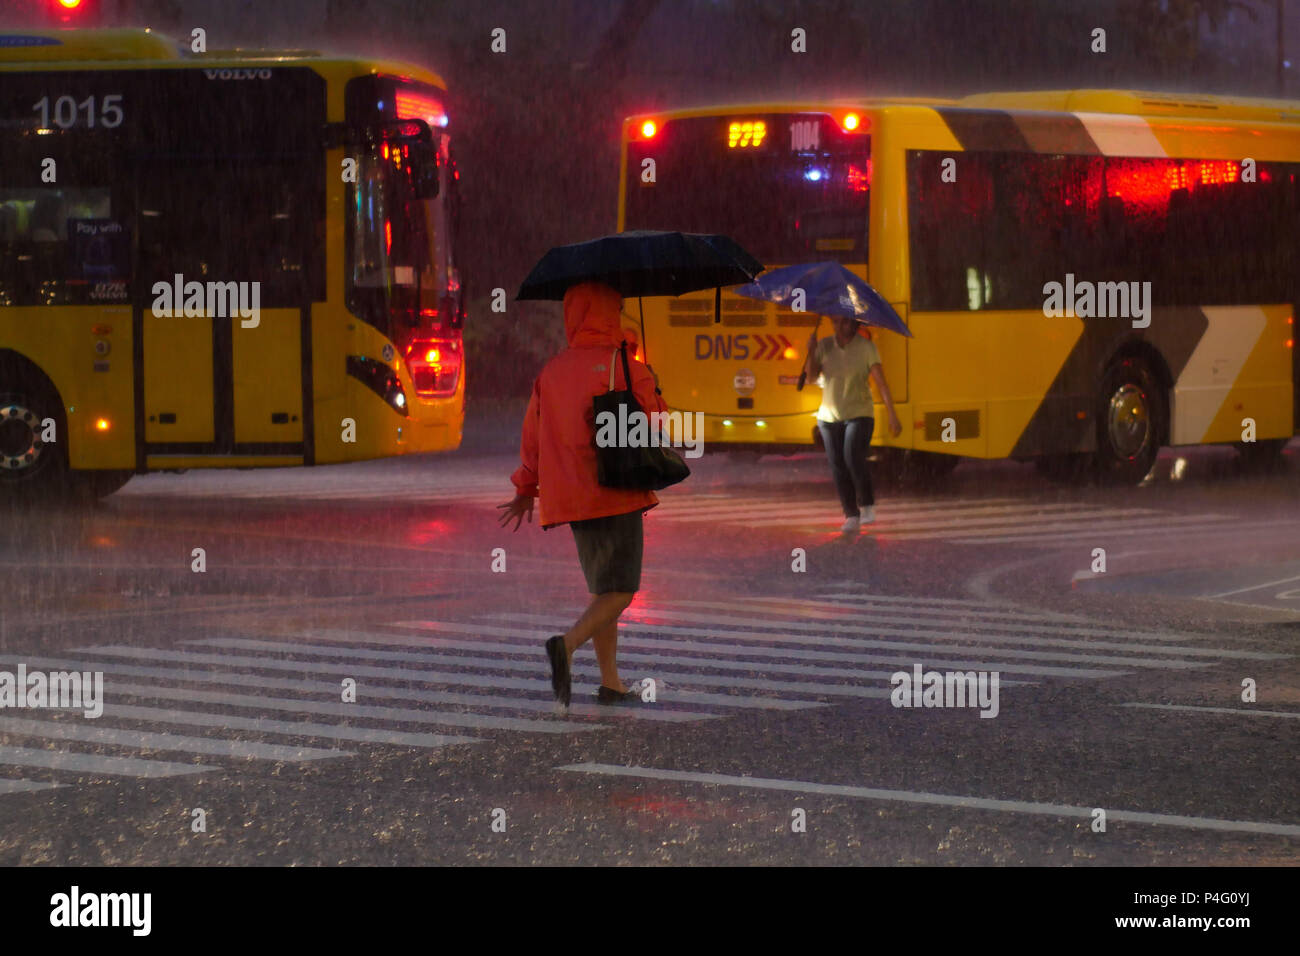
{"type": "Point", "coordinates": [225, 701]}
{"type": "Point", "coordinates": [966, 520]}
{"type": "Point", "coordinates": [961, 519]}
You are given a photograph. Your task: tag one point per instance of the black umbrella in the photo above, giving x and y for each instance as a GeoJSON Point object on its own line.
{"type": "Point", "coordinates": [642, 263]}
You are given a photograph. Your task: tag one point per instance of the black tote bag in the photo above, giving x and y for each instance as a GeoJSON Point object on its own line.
{"type": "Point", "coordinates": [636, 468]}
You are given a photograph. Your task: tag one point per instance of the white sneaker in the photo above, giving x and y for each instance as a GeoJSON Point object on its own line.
{"type": "Point", "coordinates": [850, 525]}
{"type": "Point", "coordinates": [868, 514]}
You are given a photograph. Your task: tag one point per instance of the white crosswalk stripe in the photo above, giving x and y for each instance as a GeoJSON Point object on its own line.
{"type": "Point", "coordinates": [965, 521]}
{"type": "Point", "coordinates": [993, 520]}
{"type": "Point", "coordinates": [710, 659]}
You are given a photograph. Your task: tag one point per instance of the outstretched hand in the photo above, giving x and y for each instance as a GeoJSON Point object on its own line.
{"type": "Point", "coordinates": [516, 508]}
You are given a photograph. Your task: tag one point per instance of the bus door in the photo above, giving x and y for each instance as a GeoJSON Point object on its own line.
{"type": "Point", "coordinates": [225, 310]}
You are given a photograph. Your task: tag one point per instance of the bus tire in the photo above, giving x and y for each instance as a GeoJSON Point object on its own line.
{"type": "Point", "coordinates": [29, 466]}
{"type": "Point", "coordinates": [1132, 421]}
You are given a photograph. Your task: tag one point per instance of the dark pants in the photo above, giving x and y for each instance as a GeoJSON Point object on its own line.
{"type": "Point", "coordinates": [846, 448]}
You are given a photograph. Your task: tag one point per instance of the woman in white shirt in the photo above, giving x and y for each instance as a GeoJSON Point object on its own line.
{"type": "Point", "coordinates": [842, 365]}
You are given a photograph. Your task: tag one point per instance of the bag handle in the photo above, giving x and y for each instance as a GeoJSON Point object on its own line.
{"type": "Point", "coordinates": [627, 373]}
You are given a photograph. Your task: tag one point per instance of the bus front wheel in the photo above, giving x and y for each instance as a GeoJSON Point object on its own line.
{"type": "Point", "coordinates": [1132, 419]}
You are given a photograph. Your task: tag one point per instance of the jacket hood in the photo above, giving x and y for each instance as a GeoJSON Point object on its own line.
{"type": "Point", "coordinates": [592, 316]}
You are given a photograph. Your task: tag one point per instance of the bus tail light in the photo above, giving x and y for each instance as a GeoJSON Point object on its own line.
{"type": "Point", "coordinates": [648, 129]}
{"type": "Point", "coordinates": [435, 366]}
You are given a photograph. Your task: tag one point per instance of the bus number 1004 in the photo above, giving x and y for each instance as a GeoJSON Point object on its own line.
{"type": "Point", "coordinates": [804, 135]}
{"type": "Point", "coordinates": [67, 111]}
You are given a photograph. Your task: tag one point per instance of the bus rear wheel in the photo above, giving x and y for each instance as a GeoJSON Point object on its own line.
{"type": "Point", "coordinates": [1132, 420]}
{"type": "Point", "coordinates": [29, 465]}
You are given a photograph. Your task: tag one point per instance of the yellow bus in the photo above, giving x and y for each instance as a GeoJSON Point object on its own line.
{"type": "Point", "coordinates": [230, 259]}
{"type": "Point", "coordinates": [1089, 275]}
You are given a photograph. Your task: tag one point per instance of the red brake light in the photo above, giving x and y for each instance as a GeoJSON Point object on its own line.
{"type": "Point", "coordinates": [435, 366]}
{"type": "Point", "coordinates": [648, 129]}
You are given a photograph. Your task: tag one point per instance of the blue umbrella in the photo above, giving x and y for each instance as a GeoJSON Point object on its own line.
{"type": "Point", "coordinates": [829, 289]}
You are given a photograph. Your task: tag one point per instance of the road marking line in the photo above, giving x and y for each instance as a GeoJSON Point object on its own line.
{"type": "Point", "coordinates": [495, 681]}
{"type": "Point", "coordinates": [8, 785]}
{"type": "Point", "coordinates": [907, 526]}
{"type": "Point", "coordinates": [678, 695]}
{"type": "Point", "coordinates": [97, 764]}
{"type": "Point", "coordinates": [402, 715]}
{"type": "Point", "coordinates": [1253, 587]}
{"type": "Point", "coordinates": [512, 702]}
{"type": "Point", "coordinates": [939, 647]}
{"type": "Point", "coordinates": [869, 619]}
{"type": "Point", "coordinates": [797, 606]}
{"type": "Point", "coordinates": [87, 733]}
{"type": "Point", "coordinates": [289, 728]}
{"type": "Point", "coordinates": [331, 709]}
{"type": "Point", "coordinates": [1163, 534]}
{"type": "Point", "coordinates": [898, 660]}
{"type": "Point", "coordinates": [722, 502]}
{"type": "Point", "coordinates": [803, 508]}
{"type": "Point", "coordinates": [1237, 711]}
{"type": "Point", "coordinates": [937, 799]}
{"type": "Point", "coordinates": [503, 723]}
{"type": "Point", "coordinates": [1032, 529]}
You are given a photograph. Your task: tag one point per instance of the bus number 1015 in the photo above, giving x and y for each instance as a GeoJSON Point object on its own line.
{"type": "Point", "coordinates": [67, 110]}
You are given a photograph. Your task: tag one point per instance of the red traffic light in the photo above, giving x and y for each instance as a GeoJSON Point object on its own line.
{"type": "Point", "coordinates": [73, 13]}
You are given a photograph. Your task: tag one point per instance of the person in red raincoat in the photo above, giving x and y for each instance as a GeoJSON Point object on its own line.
{"type": "Point", "coordinates": [559, 467]}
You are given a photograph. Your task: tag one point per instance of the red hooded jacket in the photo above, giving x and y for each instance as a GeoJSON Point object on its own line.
{"type": "Point", "coordinates": [558, 446]}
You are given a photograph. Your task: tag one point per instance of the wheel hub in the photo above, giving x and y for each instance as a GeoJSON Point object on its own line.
{"type": "Point", "coordinates": [20, 437]}
{"type": "Point", "coordinates": [1128, 421]}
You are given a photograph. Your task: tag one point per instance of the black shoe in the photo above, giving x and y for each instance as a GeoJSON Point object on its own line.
{"type": "Point", "coordinates": [561, 680]}
{"type": "Point", "coordinates": [607, 695]}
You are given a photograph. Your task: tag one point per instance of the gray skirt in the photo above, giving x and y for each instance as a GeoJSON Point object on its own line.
{"type": "Point", "coordinates": [609, 550]}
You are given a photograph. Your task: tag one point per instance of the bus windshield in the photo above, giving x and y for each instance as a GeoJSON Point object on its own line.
{"type": "Point", "coordinates": [789, 187]}
{"type": "Point", "coordinates": [401, 268]}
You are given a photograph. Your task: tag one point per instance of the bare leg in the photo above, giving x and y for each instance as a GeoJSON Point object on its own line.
{"type": "Point", "coordinates": [600, 618]}
{"type": "Point", "coordinates": [605, 641]}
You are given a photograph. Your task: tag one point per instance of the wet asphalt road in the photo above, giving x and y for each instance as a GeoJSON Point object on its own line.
{"type": "Point", "coordinates": [772, 738]}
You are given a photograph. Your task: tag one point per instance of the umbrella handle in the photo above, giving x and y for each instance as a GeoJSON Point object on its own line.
{"type": "Point", "coordinates": [803, 372]}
